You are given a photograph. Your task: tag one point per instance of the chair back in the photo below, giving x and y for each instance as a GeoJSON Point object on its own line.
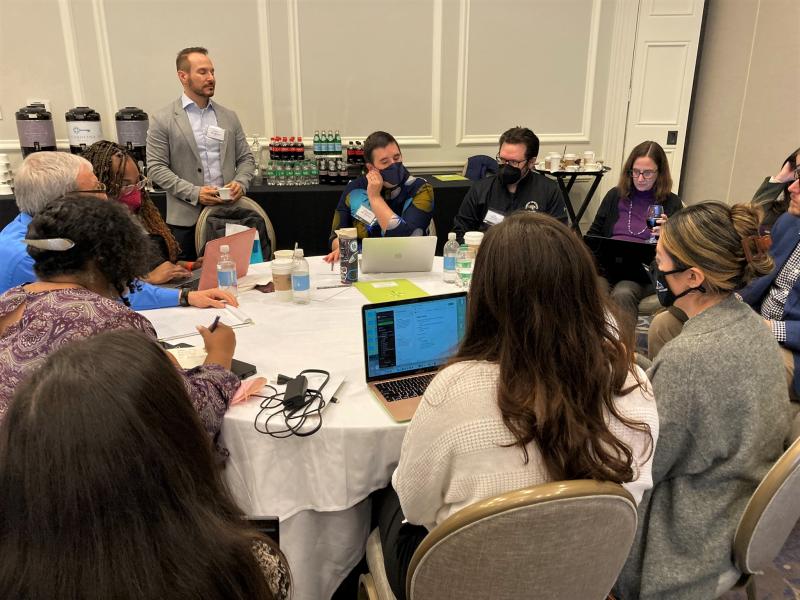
{"type": "Point", "coordinates": [564, 539]}
{"type": "Point", "coordinates": [770, 514]}
{"type": "Point", "coordinates": [244, 206]}
{"type": "Point", "coordinates": [479, 166]}
{"type": "Point", "coordinates": [432, 228]}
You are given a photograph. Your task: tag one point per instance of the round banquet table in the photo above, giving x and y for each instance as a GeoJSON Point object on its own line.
{"type": "Point", "coordinates": [318, 485]}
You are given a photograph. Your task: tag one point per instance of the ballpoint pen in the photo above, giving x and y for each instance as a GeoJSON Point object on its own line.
{"type": "Point", "coordinates": [213, 325]}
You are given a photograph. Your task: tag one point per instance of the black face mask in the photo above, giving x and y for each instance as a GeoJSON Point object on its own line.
{"type": "Point", "coordinates": [509, 175]}
{"type": "Point", "coordinates": [665, 296]}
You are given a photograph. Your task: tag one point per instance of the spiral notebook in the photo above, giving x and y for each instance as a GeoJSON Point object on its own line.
{"type": "Point", "coordinates": [177, 323]}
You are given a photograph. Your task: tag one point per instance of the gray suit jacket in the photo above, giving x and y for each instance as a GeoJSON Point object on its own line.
{"type": "Point", "coordinates": [173, 161]}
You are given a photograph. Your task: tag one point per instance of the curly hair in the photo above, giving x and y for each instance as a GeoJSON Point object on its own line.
{"type": "Point", "coordinates": [103, 233]}
{"type": "Point", "coordinates": [101, 154]}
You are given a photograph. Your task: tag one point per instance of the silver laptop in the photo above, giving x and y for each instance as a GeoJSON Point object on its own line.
{"type": "Point", "coordinates": [405, 344]}
{"type": "Point", "coordinates": [398, 254]}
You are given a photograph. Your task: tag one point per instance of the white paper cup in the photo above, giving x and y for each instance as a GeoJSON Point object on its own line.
{"type": "Point", "coordinates": [473, 239]}
{"type": "Point", "coordinates": [554, 162]}
{"type": "Point", "coordinates": [282, 278]}
{"type": "Point", "coordinates": [284, 254]}
{"type": "Point", "coordinates": [224, 193]}
{"type": "Point", "coordinates": [588, 157]}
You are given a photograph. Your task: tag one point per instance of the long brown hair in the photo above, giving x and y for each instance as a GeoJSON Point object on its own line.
{"type": "Point", "coordinates": [537, 310]}
{"type": "Point", "coordinates": [108, 487]}
{"type": "Point", "coordinates": [654, 151]}
{"type": "Point", "coordinates": [101, 154]}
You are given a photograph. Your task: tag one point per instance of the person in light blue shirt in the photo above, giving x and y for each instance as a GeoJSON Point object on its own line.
{"type": "Point", "coordinates": [45, 176]}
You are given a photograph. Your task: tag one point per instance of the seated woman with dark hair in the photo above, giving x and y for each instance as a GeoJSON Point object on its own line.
{"type": "Point", "coordinates": [87, 253]}
{"type": "Point", "coordinates": [108, 487]}
{"type": "Point", "coordinates": [541, 389]}
{"type": "Point", "coordinates": [722, 401]}
{"type": "Point", "coordinates": [645, 180]}
{"type": "Point", "coordinates": [117, 169]}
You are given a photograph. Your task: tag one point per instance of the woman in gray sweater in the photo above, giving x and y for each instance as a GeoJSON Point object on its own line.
{"type": "Point", "coordinates": [722, 403]}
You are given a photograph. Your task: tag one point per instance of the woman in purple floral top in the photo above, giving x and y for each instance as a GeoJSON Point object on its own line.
{"type": "Point", "coordinates": [100, 251]}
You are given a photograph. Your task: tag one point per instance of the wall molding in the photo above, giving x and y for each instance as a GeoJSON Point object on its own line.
{"type": "Point", "coordinates": [106, 66]}
{"type": "Point", "coordinates": [411, 141]}
{"type": "Point", "coordinates": [623, 36]}
{"type": "Point", "coordinates": [262, 8]}
{"type": "Point", "coordinates": [71, 52]}
{"type": "Point", "coordinates": [465, 139]}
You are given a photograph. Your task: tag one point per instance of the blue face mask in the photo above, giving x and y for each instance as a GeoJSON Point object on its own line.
{"type": "Point", "coordinates": [395, 174]}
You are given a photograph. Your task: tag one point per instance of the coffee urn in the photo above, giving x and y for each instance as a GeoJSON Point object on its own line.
{"type": "Point", "coordinates": [132, 127]}
{"type": "Point", "coordinates": [35, 129]}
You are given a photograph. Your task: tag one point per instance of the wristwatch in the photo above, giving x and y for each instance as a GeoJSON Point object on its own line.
{"type": "Point", "coordinates": [183, 299]}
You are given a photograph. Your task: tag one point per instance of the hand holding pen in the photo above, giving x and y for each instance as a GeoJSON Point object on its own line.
{"type": "Point", "coordinates": [220, 342]}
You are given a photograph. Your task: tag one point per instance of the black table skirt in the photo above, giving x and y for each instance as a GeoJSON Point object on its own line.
{"type": "Point", "coordinates": [303, 214]}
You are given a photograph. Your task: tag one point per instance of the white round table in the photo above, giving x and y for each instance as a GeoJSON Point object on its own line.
{"type": "Point", "coordinates": [315, 485]}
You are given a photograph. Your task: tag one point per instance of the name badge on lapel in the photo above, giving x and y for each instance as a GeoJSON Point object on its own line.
{"type": "Point", "coordinates": [365, 215]}
{"type": "Point", "coordinates": [216, 133]}
{"type": "Point", "coordinates": [493, 217]}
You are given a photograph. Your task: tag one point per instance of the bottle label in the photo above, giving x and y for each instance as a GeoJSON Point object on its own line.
{"type": "Point", "coordinates": [301, 283]}
{"type": "Point", "coordinates": [226, 279]}
{"type": "Point", "coordinates": [449, 263]}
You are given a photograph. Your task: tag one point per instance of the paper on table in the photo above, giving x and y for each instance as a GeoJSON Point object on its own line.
{"type": "Point", "coordinates": [183, 324]}
{"type": "Point", "coordinates": [389, 289]}
{"type": "Point", "coordinates": [189, 358]}
{"type": "Point", "coordinates": [450, 177]}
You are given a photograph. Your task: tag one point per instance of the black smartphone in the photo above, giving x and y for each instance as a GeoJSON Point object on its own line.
{"type": "Point", "coordinates": [269, 526]}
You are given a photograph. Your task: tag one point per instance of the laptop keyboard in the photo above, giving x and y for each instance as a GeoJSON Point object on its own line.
{"type": "Point", "coordinates": [400, 389]}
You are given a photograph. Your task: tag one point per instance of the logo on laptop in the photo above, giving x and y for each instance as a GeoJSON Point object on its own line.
{"type": "Point", "coordinates": [532, 206]}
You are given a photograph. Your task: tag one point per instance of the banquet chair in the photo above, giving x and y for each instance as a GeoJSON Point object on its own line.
{"type": "Point", "coordinates": [203, 232]}
{"type": "Point", "coordinates": [767, 520]}
{"type": "Point", "coordinates": [564, 539]}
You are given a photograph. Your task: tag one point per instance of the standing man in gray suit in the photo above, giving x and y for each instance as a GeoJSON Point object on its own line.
{"type": "Point", "coordinates": [194, 147]}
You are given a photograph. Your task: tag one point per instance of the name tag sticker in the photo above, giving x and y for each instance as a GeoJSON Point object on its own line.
{"type": "Point", "coordinates": [365, 215]}
{"type": "Point", "coordinates": [493, 217]}
{"type": "Point", "coordinates": [216, 133]}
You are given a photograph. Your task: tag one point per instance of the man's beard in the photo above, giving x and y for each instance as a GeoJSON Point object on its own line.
{"type": "Point", "coordinates": [202, 91]}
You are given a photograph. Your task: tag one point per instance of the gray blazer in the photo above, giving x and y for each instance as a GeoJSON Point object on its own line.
{"type": "Point", "coordinates": [173, 161]}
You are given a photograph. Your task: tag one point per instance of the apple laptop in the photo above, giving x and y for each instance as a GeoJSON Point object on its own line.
{"type": "Point", "coordinates": [405, 344]}
{"type": "Point", "coordinates": [398, 254]}
{"type": "Point", "coordinates": [240, 245]}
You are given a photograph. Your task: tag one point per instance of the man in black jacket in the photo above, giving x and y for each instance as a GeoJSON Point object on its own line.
{"type": "Point", "coordinates": [515, 187]}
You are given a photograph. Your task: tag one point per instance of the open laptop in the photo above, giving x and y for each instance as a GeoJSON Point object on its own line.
{"type": "Point", "coordinates": [405, 343]}
{"type": "Point", "coordinates": [398, 254]}
{"type": "Point", "coordinates": [620, 259]}
{"type": "Point", "coordinates": [240, 245]}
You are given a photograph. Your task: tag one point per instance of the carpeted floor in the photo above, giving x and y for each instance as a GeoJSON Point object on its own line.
{"type": "Point", "coordinates": [782, 581]}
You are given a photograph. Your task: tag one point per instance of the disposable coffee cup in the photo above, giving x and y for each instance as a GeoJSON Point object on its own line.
{"type": "Point", "coordinates": [554, 163]}
{"type": "Point", "coordinates": [282, 278]}
{"type": "Point", "coordinates": [473, 239]}
{"type": "Point", "coordinates": [284, 254]}
{"type": "Point", "coordinates": [588, 157]}
{"type": "Point", "coordinates": [570, 159]}
{"type": "Point", "coordinates": [348, 254]}
{"type": "Point", "coordinates": [224, 193]}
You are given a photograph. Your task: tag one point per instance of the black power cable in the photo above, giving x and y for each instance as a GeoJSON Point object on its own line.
{"type": "Point", "coordinates": [286, 417]}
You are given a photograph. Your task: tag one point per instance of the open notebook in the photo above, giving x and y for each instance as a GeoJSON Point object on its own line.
{"type": "Point", "coordinates": [182, 323]}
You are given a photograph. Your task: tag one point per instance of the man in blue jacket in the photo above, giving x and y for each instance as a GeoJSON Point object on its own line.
{"type": "Point", "coordinates": [777, 296]}
{"type": "Point", "coordinates": [45, 176]}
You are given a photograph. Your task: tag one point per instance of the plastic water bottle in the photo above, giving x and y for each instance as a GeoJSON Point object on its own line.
{"type": "Point", "coordinates": [226, 271]}
{"type": "Point", "coordinates": [450, 252]}
{"type": "Point", "coordinates": [301, 280]}
{"type": "Point", "coordinates": [464, 260]}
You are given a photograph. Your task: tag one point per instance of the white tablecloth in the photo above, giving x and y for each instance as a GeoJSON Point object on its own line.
{"type": "Point", "coordinates": [316, 485]}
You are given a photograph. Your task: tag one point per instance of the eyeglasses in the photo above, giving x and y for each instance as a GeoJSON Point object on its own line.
{"type": "Point", "coordinates": [514, 163]}
{"type": "Point", "coordinates": [796, 174]}
{"type": "Point", "coordinates": [647, 173]}
{"type": "Point", "coordinates": [127, 189]}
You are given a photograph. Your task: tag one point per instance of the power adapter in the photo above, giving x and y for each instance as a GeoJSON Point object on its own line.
{"type": "Point", "coordinates": [295, 395]}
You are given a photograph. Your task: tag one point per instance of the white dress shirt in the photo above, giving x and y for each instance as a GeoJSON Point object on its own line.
{"type": "Point", "coordinates": [209, 149]}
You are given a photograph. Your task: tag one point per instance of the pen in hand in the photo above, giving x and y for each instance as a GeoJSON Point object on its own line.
{"type": "Point", "coordinates": [213, 325]}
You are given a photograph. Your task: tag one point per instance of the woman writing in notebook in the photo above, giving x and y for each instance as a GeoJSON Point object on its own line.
{"type": "Point", "coordinates": [87, 253]}
{"type": "Point", "coordinates": [542, 388]}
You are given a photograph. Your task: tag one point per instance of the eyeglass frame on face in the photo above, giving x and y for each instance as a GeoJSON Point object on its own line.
{"type": "Point", "coordinates": [647, 174]}
{"type": "Point", "coordinates": [514, 163]}
{"type": "Point", "coordinates": [127, 189]}
{"type": "Point", "coordinates": [796, 174]}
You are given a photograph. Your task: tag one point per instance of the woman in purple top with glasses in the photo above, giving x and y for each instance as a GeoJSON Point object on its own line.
{"type": "Point", "coordinates": [87, 253]}
{"type": "Point", "coordinates": [645, 181]}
